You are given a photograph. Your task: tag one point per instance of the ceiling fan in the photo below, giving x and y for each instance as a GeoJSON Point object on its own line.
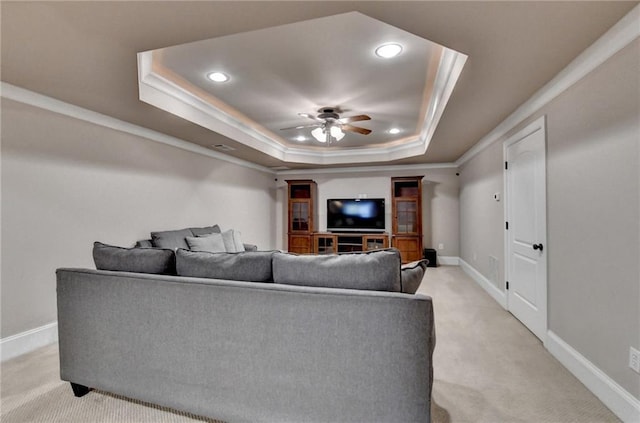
{"type": "Point", "coordinates": [329, 126]}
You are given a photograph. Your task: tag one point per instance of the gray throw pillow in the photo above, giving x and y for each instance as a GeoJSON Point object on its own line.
{"type": "Point", "coordinates": [144, 243]}
{"type": "Point", "coordinates": [376, 270]}
{"type": "Point", "coordinates": [412, 274]}
{"type": "Point", "coordinates": [171, 239]}
{"type": "Point", "coordinates": [212, 243]}
{"type": "Point", "coordinates": [244, 266]}
{"type": "Point", "coordinates": [232, 241]}
{"type": "Point", "coordinates": [139, 260]}
{"type": "Point", "coordinates": [207, 230]}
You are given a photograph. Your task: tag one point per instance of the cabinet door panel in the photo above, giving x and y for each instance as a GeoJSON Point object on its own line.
{"type": "Point", "coordinates": [299, 216]}
{"type": "Point", "coordinates": [406, 217]}
{"type": "Point", "coordinates": [409, 248]}
{"type": "Point", "coordinates": [299, 244]}
{"type": "Point", "coordinates": [324, 244]}
{"type": "Point", "coordinates": [375, 242]}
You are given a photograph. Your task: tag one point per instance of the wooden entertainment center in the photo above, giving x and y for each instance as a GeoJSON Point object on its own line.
{"type": "Point", "coordinates": [331, 242]}
{"type": "Point", "coordinates": [406, 210]}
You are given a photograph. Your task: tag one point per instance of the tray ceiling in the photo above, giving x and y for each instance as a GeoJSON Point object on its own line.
{"type": "Point", "coordinates": [277, 73]}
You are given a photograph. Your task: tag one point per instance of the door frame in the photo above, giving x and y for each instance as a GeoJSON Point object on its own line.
{"type": "Point", "coordinates": [537, 125]}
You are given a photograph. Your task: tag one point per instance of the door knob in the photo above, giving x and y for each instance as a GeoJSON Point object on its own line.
{"type": "Point", "coordinates": [537, 247]}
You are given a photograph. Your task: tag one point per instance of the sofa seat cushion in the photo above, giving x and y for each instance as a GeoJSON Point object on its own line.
{"type": "Point", "coordinates": [138, 260]}
{"type": "Point", "coordinates": [376, 270]}
{"type": "Point", "coordinates": [412, 274]}
{"type": "Point", "coordinates": [243, 266]}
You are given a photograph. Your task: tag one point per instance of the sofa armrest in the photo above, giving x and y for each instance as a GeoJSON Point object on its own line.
{"type": "Point", "coordinates": [412, 275]}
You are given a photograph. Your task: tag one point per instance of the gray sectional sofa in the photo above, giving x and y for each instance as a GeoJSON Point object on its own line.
{"type": "Point", "coordinates": [260, 336]}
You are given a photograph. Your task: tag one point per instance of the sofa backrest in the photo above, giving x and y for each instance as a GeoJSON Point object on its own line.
{"type": "Point", "coordinates": [137, 260]}
{"type": "Point", "coordinates": [244, 266]}
{"type": "Point", "coordinates": [377, 270]}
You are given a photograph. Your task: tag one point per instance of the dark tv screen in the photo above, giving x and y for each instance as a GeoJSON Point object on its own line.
{"type": "Point", "coordinates": [355, 215]}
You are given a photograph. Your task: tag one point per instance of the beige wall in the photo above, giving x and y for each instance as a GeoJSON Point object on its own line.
{"type": "Point", "coordinates": [67, 183]}
{"type": "Point", "coordinates": [481, 217]}
{"type": "Point", "coordinates": [593, 214]}
{"type": "Point", "coordinates": [439, 199]}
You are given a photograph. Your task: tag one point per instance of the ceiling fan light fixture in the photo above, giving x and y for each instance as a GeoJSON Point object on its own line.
{"type": "Point", "coordinates": [394, 131]}
{"type": "Point", "coordinates": [336, 133]}
{"type": "Point", "coordinates": [319, 134]}
{"type": "Point", "coordinates": [218, 76]}
{"type": "Point", "coordinates": [389, 50]}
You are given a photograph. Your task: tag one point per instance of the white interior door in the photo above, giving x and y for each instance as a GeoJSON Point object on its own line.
{"type": "Point", "coordinates": [526, 247]}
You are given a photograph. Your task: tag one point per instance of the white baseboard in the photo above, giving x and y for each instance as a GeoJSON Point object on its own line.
{"type": "Point", "coordinates": [620, 401]}
{"type": "Point", "coordinates": [616, 398]}
{"type": "Point", "coordinates": [491, 289]}
{"type": "Point", "coordinates": [448, 260]}
{"type": "Point", "coordinates": [22, 343]}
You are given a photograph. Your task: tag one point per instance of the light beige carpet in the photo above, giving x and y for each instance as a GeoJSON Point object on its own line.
{"type": "Point", "coordinates": [488, 368]}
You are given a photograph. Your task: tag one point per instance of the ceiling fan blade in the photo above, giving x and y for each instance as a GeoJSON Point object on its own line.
{"type": "Point", "coordinates": [307, 115]}
{"type": "Point", "coordinates": [354, 119]}
{"type": "Point", "coordinates": [363, 131]}
{"type": "Point", "coordinates": [311, 125]}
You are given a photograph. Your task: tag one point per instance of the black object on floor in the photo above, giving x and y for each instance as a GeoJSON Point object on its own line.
{"type": "Point", "coordinates": [431, 255]}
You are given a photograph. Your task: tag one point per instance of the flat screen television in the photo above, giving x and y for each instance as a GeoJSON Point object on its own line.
{"type": "Point", "coordinates": [355, 215]}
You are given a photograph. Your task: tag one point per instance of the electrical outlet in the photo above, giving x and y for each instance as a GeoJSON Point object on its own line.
{"type": "Point", "coordinates": [441, 246]}
{"type": "Point", "coordinates": [634, 359]}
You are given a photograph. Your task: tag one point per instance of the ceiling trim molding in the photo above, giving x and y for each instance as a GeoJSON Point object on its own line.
{"type": "Point", "coordinates": [165, 94]}
{"type": "Point", "coordinates": [450, 69]}
{"type": "Point", "coordinates": [181, 99]}
{"type": "Point", "coordinates": [160, 87]}
{"type": "Point", "coordinates": [41, 101]}
{"type": "Point", "coordinates": [615, 39]}
{"type": "Point", "coordinates": [368, 169]}
{"type": "Point", "coordinates": [44, 102]}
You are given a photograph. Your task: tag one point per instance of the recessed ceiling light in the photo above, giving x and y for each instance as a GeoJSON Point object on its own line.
{"type": "Point", "coordinates": [218, 77]}
{"type": "Point", "coordinates": [301, 138]}
{"type": "Point", "coordinates": [389, 50]}
{"type": "Point", "coordinates": [394, 131]}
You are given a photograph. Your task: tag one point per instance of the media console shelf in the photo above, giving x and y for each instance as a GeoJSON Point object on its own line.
{"type": "Point", "coordinates": [331, 242]}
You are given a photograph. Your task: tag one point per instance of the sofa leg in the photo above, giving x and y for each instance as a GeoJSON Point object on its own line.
{"type": "Point", "coordinates": [79, 390]}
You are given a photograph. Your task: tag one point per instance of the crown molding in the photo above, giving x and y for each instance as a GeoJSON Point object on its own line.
{"type": "Point", "coordinates": [44, 102]}
{"type": "Point", "coordinates": [31, 98]}
{"type": "Point", "coordinates": [367, 169]}
{"type": "Point", "coordinates": [166, 90]}
{"type": "Point", "coordinates": [615, 39]}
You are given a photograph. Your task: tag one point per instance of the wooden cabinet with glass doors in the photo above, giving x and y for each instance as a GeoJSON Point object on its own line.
{"type": "Point", "coordinates": [301, 196]}
{"type": "Point", "coordinates": [406, 209]}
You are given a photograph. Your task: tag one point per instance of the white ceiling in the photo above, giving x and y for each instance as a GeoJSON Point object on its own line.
{"type": "Point", "coordinates": [84, 53]}
{"type": "Point", "coordinates": [279, 72]}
